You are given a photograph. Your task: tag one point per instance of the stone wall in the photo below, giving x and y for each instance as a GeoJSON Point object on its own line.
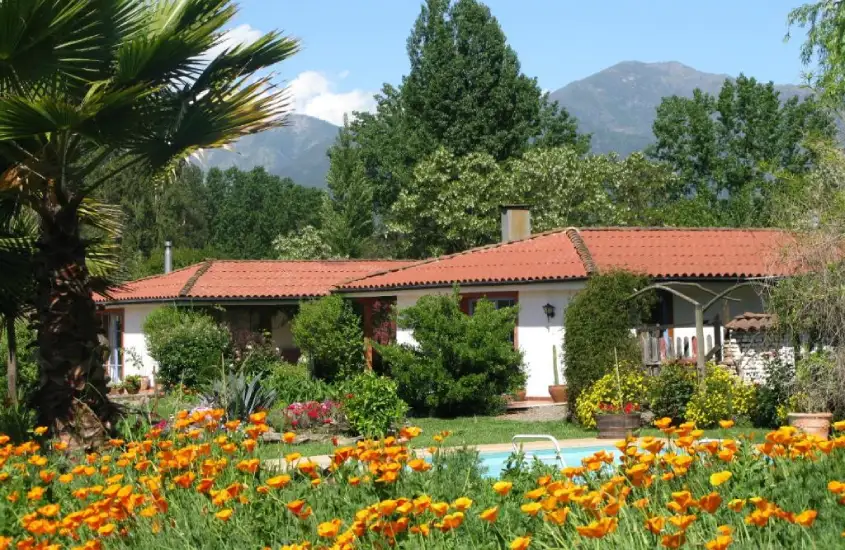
{"type": "Point", "coordinates": [748, 352]}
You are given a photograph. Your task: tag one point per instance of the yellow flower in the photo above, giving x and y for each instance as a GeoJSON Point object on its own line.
{"type": "Point", "coordinates": [726, 424]}
{"type": "Point", "coordinates": [329, 529]}
{"type": "Point", "coordinates": [278, 482]}
{"type": "Point", "coordinates": [107, 529]}
{"type": "Point", "coordinates": [462, 504]}
{"type": "Point", "coordinates": [532, 508]}
{"type": "Point", "coordinates": [224, 514]}
{"type": "Point", "coordinates": [720, 477]}
{"type": "Point", "coordinates": [520, 543]}
{"type": "Point", "coordinates": [806, 518]}
{"type": "Point", "coordinates": [40, 430]}
{"type": "Point", "coordinates": [288, 437]}
{"type": "Point", "coordinates": [722, 542]}
{"type": "Point", "coordinates": [502, 487]}
{"type": "Point", "coordinates": [490, 514]}
{"type": "Point", "coordinates": [839, 426]}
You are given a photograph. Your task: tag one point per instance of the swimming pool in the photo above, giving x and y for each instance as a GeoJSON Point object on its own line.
{"type": "Point", "coordinates": [494, 462]}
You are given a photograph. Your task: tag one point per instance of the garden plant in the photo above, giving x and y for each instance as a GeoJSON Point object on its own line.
{"type": "Point", "coordinates": [196, 482]}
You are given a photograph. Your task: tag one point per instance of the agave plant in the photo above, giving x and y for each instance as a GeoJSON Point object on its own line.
{"type": "Point", "coordinates": [92, 88]}
{"type": "Point", "coordinates": [239, 395]}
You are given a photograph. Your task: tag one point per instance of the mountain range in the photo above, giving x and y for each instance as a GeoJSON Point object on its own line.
{"type": "Point", "coordinates": [616, 105]}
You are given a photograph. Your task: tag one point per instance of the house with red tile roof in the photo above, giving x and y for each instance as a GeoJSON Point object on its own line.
{"type": "Point", "coordinates": [539, 273]}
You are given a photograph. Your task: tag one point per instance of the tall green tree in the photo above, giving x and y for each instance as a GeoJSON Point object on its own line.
{"type": "Point", "coordinates": [347, 214]}
{"type": "Point", "coordinates": [465, 92]}
{"type": "Point", "coordinates": [727, 148]}
{"type": "Point", "coordinates": [85, 83]}
{"type": "Point", "coordinates": [250, 209]}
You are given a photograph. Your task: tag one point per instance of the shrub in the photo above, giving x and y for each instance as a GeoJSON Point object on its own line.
{"type": "Point", "coordinates": [329, 332]}
{"type": "Point", "coordinates": [819, 379]}
{"type": "Point", "coordinates": [371, 404]}
{"type": "Point", "coordinates": [598, 326]}
{"type": "Point", "coordinates": [239, 395]}
{"type": "Point", "coordinates": [773, 395]}
{"type": "Point", "coordinates": [256, 355]}
{"type": "Point", "coordinates": [293, 383]}
{"type": "Point", "coordinates": [723, 395]}
{"type": "Point", "coordinates": [187, 344]}
{"type": "Point", "coordinates": [672, 390]}
{"type": "Point", "coordinates": [460, 364]}
{"type": "Point", "coordinates": [16, 421]}
{"type": "Point", "coordinates": [606, 390]}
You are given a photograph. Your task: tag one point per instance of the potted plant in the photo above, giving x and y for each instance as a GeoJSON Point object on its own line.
{"type": "Point", "coordinates": [132, 384]}
{"type": "Point", "coordinates": [557, 390]}
{"type": "Point", "coordinates": [145, 383]}
{"type": "Point", "coordinates": [519, 395]}
{"type": "Point", "coordinates": [818, 378]}
{"type": "Point", "coordinates": [618, 421]}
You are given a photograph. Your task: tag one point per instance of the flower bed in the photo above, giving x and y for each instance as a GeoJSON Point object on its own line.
{"type": "Point", "coordinates": [200, 485]}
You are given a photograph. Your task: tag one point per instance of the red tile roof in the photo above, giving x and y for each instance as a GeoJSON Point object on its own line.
{"type": "Point", "coordinates": [572, 254]}
{"type": "Point", "coordinates": [689, 253]}
{"type": "Point", "coordinates": [752, 322]}
{"type": "Point", "coordinates": [240, 279]}
{"type": "Point", "coordinates": [544, 257]}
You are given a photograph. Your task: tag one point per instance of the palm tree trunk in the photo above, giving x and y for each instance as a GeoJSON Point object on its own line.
{"type": "Point", "coordinates": [11, 360]}
{"type": "Point", "coordinates": [72, 396]}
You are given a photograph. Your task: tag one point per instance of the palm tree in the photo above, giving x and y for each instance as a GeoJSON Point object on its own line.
{"type": "Point", "coordinates": [122, 84]}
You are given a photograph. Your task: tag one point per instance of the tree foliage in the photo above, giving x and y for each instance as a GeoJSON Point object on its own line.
{"type": "Point", "coordinates": [85, 84]}
{"type": "Point", "coordinates": [598, 328]}
{"type": "Point", "coordinates": [823, 47]}
{"type": "Point", "coordinates": [452, 203]}
{"type": "Point", "coordinates": [727, 148]}
{"type": "Point", "coordinates": [329, 332]}
{"type": "Point", "coordinates": [460, 364]}
{"type": "Point", "coordinates": [465, 92]}
{"type": "Point", "coordinates": [306, 244]}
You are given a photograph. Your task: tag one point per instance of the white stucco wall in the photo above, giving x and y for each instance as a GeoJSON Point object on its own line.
{"type": "Point", "coordinates": [134, 316]}
{"type": "Point", "coordinates": [535, 334]}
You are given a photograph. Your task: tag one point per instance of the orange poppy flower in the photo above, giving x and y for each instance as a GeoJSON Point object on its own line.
{"type": "Point", "coordinates": [107, 529]}
{"type": "Point", "coordinates": [558, 517]}
{"type": "Point", "coordinates": [520, 543]}
{"type": "Point", "coordinates": [462, 504]}
{"type": "Point", "coordinates": [719, 478]}
{"type": "Point", "coordinates": [682, 522]}
{"type": "Point", "coordinates": [502, 488]}
{"type": "Point", "coordinates": [722, 542]}
{"type": "Point", "coordinates": [419, 465]}
{"type": "Point", "coordinates": [710, 502]}
{"type": "Point", "coordinates": [597, 529]}
{"type": "Point", "coordinates": [806, 518]}
{"type": "Point", "coordinates": [490, 514]}
{"type": "Point", "coordinates": [224, 514]}
{"type": "Point", "coordinates": [675, 540]}
{"type": "Point", "coordinates": [329, 529]}
{"type": "Point", "coordinates": [655, 524]}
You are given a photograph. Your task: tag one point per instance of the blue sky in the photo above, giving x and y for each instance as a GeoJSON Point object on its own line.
{"type": "Point", "coordinates": [351, 47]}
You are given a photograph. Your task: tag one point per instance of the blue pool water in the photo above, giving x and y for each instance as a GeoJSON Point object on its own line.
{"type": "Point", "coordinates": [494, 462]}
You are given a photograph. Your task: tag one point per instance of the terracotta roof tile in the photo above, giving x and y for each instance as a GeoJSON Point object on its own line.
{"type": "Point", "coordinates": [751, 322]}
{"type": "Point", "coordinates": [560, 255]}
{"type": "Point", "coordinates": [689, 253]}
{"type": "Point", "coordinates": [236, 279]}
{"type": "Point", "coordinates": [543, 257]}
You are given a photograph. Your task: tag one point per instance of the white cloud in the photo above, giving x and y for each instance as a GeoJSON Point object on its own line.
{"type": "Point", "coordinates": [314, 94]}
{"type": "Point", "coordinates": [242, 34]}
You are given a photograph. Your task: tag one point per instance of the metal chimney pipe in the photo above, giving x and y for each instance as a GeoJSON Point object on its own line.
{"type": "Point", "coordinates": [168, 257]}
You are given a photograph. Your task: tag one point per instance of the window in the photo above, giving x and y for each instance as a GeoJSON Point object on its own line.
{"type": "Point", "coordinates": [498, 302]}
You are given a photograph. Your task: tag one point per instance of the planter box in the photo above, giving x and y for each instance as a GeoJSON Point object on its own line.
{"type": "Point", "coordinates": [618, 426]}
{"type": "Point", "coordinates": [817, 424]}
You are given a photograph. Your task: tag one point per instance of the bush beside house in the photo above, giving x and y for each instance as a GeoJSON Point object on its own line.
{"type": "Point", "coordinates": [187, 344]}
{"type": "Point", "coordinates": [329, 332]}
{"type": "Point", "coordinates": [598, 328]}
{"type": "Point", "coordinates": [459, 364]}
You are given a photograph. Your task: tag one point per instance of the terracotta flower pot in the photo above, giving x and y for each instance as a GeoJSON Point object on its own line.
{"type": "Point", "coordinates": [558, 393]}
{"type": "Point", "coordinates": [817, 424]}
{"type": "Point", "coordinates": [145, 383]}
{"type": "Point", "coordinates": [618, 426]}
{"type": "Point", "coordinates": [519, 395]}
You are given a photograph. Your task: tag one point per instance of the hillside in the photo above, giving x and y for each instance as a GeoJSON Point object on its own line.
{"type": "Point", "coordinates": [617, 105]}
{"type": "Point", "coordinates": [297, 151]}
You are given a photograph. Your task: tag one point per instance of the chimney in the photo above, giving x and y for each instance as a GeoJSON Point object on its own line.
{"type": "Point", "coordinates": [168, 257]}
{"type": "Point", "coordinates": [516, 222]}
